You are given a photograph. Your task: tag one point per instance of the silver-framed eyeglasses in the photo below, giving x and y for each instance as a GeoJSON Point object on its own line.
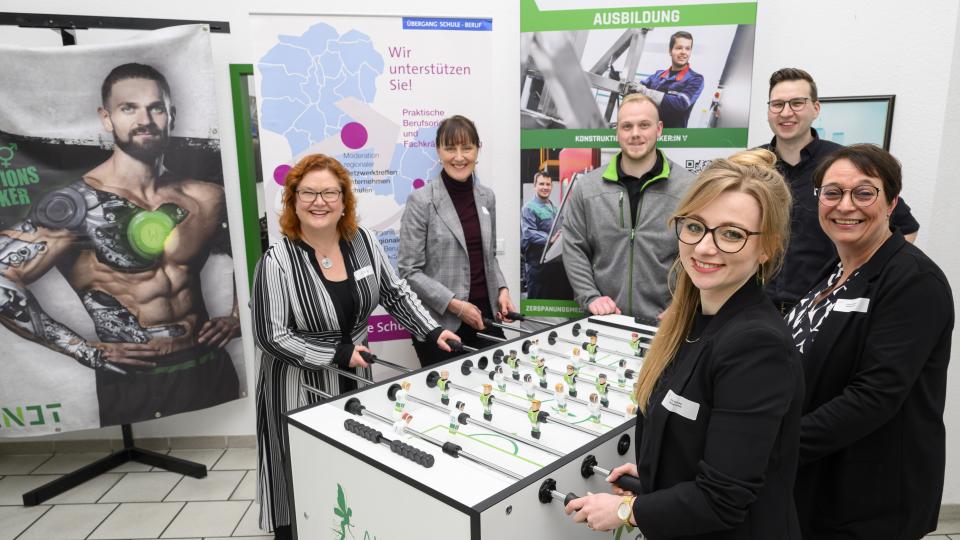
{"type": "Point", "coordinates": [796, 104]}
{"type": "Point", "coordinates": [862, 196]}
{"type": "Point", "coordinates": [308, 196]}
{"type": "Point", "coordinates": [727, 238]}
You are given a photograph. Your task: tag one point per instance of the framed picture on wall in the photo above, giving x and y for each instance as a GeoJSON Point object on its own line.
{"type": "Point", "coordinates": [856, 119]}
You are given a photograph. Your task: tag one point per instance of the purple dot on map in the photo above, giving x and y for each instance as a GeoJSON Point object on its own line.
{"type": "Point", "coordinates": [418, 183]}
{"type": "Point", "coordinates": [280, 174]}
{"type": "Point", "coordinates": [354, 135]}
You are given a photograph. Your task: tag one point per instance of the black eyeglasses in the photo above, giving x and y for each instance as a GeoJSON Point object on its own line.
{"type": "Point", "coordinates": [862, 196]}
{"type": "Point", "coordinates": [727, 238]}
{"type": "Point", "coordinates": [307, 196]}
{"type": "Point", "coordinates": [796, 104]}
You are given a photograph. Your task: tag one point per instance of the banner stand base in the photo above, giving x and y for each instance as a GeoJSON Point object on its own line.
{"type": "Point", "coordinates": [128, 453]}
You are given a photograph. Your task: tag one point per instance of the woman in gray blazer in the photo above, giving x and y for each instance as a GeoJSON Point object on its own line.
{"type": "Point", "coordinates": [448, 240]}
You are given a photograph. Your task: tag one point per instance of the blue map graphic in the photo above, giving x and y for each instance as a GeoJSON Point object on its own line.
{"type": "Point", "coordinates": [302, 79]}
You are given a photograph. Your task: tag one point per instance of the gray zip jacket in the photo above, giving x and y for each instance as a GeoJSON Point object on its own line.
{"type": "Point", "coordinates": [608, 252]}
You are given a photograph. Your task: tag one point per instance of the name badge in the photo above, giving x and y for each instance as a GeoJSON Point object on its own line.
{"type": "Point", "coordinates": [847, 305]}
{"type": "Point", "coordinates": [362, 273]}
{"type": "Point", "coordinates": [485, 211]}
{"type": "Point", "coordinates": [680, 405]}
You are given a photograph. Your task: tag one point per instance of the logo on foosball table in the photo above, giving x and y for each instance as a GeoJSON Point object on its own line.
{"type": "Point", "coordinates": [344, 513]}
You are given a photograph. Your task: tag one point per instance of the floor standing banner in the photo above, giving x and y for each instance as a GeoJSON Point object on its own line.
{"type": "Point", "coordinates": [368, 90]}
{"type": "Point", "coordinates": [117, 296]}
{"type": "Point", "coordinates": [578, 59]}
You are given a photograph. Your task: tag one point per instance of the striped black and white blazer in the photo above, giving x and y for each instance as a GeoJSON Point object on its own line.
{"type": "Point", "coordinates": [296, 331]}
{"type": "Point", "coordinates": [294, 318]}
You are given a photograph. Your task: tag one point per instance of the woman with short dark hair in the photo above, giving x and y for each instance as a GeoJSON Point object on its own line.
{"type": "Point", "coordinates": [875, 337]}
{"type": "Point", "coordinates": [448, 243]}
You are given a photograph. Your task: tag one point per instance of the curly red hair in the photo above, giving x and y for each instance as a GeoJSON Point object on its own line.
{"type": "Point", "coordinates": [290, 222]}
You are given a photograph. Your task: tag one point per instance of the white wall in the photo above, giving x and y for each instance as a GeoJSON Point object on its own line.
{"type": "Point", "coordinates": [856, 47]}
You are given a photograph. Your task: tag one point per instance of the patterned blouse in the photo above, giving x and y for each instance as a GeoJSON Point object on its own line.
{"type": "Point", "coordinates": [806, 317]}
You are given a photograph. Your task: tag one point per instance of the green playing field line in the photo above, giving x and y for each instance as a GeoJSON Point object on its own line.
{"type": "Point", "coordinates": [516, 448]}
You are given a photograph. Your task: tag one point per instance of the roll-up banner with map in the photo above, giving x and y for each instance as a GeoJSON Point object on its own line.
{"type": "Point", "coordinates": [578, 59]}
{"type": "Point", "coordinates": [117, 297]}
{"type": "Point", "coordinates": [370, 92]}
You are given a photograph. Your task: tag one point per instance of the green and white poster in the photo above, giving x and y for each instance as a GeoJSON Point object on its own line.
{"type": "Point", "coordinates": [578, 60]}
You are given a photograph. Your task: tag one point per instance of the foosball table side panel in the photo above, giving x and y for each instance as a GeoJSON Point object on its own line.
{"type": "Point", "coordinates": [523, 515]}
{"type": "Point", "coordinates": [340, 494]}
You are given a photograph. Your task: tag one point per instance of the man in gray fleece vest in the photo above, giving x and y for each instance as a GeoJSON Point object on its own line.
{"type": "Point", "coordinates": [617, 244]}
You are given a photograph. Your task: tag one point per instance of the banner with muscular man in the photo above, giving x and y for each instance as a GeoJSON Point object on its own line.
{"type": "Point", "coordinates": [117, 299]}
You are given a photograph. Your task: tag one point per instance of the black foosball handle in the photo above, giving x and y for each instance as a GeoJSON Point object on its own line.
{"type": "Point", "coordinates": [368, 357]}
{"type": "Point", "coordinates": [412, 453]}
{"type": "Point", "coordinates": [629, 483]}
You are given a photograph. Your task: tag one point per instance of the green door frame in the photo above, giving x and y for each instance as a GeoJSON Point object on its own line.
{"type": "Point", "coordinates": [245, 166]}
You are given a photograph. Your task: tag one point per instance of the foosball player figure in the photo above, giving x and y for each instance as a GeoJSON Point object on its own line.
{"type": "Point", "coordinates": [455, 413]}
{"type": "Point", "coordinates": [570, 377]}
{"type": "Point", "coordinates": [631, 410]}
{"type": "Point", "coordinates": [601, 386]}
{"type": "Point", "coordinates": [402, 423]}
{"type": "Point", "coordinates": [540, 369]}
{"type": "Point", "coordinates": [576, 361]}
{"type": "Point", "coordinates": [594, 406]}
{"type": "Point", "coordinates": [635, 344]}
{"type": "Point", "coordinates": [534, 349]}
{"type": "Point", "coordinates": [536, 416]}
{"type": "Point", "coordinates": [622, 372]}
{"type": "Point", "coordinates": [497, 377]}
{"type": "Point", "coordinates": [592, 349]}
{"type": "Point", "coordinates": [512, 361]}
{"type": "Point", "coordinates": [443, 383]}
{"type": "Point", "coordinates": [486, 399]}
{"type": "Point", "coordinates": [560, 397]}
{"type": "Point", "coordinates": [633, 394]}
{"type": "Point", "coordinates": [401, 399]}
{"type": "Point", "coordinates": [528, 386]}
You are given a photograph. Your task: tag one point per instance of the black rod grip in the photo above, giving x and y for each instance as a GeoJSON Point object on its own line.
{"type": "Point", "coordinates": [629, 483]}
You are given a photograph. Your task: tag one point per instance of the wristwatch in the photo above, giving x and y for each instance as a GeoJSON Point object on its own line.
{"type": "Point", "coordinates": [625, 510]}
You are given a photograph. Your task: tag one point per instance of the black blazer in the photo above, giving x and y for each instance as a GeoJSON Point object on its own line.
{"type": "Point", "coordinates": [872, 443]}
{"type": "Point", "coordinates": [729, 473]}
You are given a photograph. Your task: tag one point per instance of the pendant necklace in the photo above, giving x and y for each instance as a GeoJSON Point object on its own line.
{"type": "Point", "coordinates": [326, 263]}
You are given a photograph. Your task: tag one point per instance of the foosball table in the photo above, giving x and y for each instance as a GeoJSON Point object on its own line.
{"type": "Point", "coordinates": [491, 444]}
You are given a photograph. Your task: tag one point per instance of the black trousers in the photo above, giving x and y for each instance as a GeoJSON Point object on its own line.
{"type": "Point", "coordinates": [429, 354]}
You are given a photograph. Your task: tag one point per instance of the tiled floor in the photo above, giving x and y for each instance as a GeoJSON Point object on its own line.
{"type": "Point", "coordinates": [133, 501]}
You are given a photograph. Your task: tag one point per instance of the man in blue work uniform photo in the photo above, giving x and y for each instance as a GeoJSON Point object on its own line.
{"type": "Point", "coordinates": [675, 89]}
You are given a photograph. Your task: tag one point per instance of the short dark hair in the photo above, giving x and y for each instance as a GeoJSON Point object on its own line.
{"type": "Point", "coordinates": [792, 74]}
{"type": "Point", "coordinates": [132, 71]}
{"type": "Point", "coordinates": [541, 174]}
{"type": "Point", "coordinates": [457, 130]}
{"type": "Point", "coordinates": [870, 160]}
{"type": "Point", "coordinates": [680, 34]}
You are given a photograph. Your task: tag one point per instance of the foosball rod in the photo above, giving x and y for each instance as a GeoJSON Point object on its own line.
{"type": "Point", "coordinates": [353, 406]}
{"type": "Point", "coordinates": [495, 324]}
{"type": "Point", "coordinates": [514, 316]}
{"type": "Point", "coordinates": [561, 374]}
{"type": "Point", "coordinates": [548, 492]}
{"type": "Point", "coordinates": [481, 367]}
{"type": "Point", "coordinates": [466, 419]}
{"type": "Point", "coordinates": [624, 481]}
{"type": "Point", "coordinates": [553, 338]}
{"type": "Point", "coordinates": [492, 339]}
{"type": "Point", "coordinates": [371, 358]}
{"type": "Point", "coordinates": [575, 330]}
{"type": "Point", "coordinates": [396, 446]}
{"type": "Point", "coordinates": [558, 354]}
{"type": "Point", "coordinates": [465, 368]}
{"type": "Point", "coordinates": [315, 390]}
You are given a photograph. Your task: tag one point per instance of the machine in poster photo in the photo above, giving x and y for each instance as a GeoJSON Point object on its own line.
{"type": "Point", "coordinates": [699, 75]}
{"type": "Point", "coordinates": [116, 268]}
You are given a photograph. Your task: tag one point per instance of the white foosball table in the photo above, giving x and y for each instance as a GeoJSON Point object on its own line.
{"type": "Point", "coordinates": [460, 450]}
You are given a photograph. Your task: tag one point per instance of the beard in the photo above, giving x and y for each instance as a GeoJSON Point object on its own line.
{"type": "Point", "coordinates": [147, 151]}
